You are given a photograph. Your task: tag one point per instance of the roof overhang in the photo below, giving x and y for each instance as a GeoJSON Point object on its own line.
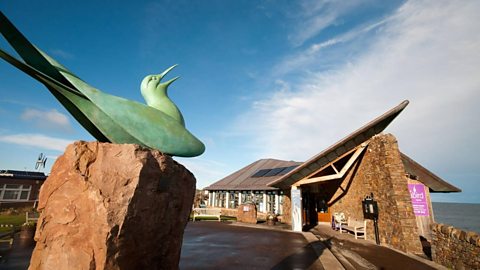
{"type": "Point", "coordinates": [428, 178]}
{"type": "Point", "coordinates": [339, 149]}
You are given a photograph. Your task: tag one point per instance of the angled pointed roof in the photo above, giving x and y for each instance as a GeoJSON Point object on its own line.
{"type": "Point", "coordinates": [341, 147]}
{"type": "Point", "coordinates": [428, 178]}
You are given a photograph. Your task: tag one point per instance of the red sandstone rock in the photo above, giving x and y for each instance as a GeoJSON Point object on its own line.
{"type": "Point", "coordinates": [110, 206]}
{"type": "Point", "coordinates": [247, 213]}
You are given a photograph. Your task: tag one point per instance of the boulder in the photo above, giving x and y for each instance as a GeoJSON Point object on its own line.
{"type": "Point", "coordinates": [112, 206]}
{"type": "Point", "coordinates": [247, 213]}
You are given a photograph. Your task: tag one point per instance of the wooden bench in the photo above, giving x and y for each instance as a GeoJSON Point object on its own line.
{"type": "Point", "coordinates": [9, 241]}
{"type": "Point", "coordinates": [6, 238]}
{"type": "Point", "coordinates": [338, 219]}
{"type": "Point", "coordinates": [207, 212]}
{"type": "Point", "coordinates": [356, 227]}
{"type": "Point", "coordinates": [31, 217]}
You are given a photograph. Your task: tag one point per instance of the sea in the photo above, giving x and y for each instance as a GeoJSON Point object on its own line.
{"type": "Point", "coordinates": [465, 216]}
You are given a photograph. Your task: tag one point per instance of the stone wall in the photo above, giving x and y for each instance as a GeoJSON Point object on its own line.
{"type": "Point", "coordinates": [234, 213]}
{"type": "Point", "coordinates": [455, 248]}
{"type": "Point", "coordinates": [287, 208]}
{"type": "Point", "coordinates": [229, 212]}
{"type": "Point", "coordinates": [380, 171]}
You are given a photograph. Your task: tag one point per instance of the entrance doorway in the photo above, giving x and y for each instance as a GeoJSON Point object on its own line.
{"type": "Point", "coordinates": [315, 209]}
{"type": "Point", "coordinates": [315, 198]}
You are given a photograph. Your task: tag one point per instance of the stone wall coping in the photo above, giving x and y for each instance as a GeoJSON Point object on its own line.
{"type": "Point", "coordinates": [453, 232]}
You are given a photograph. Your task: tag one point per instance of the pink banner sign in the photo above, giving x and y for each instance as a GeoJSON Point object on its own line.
{"type": "Point", "coordinates": [419, 199]}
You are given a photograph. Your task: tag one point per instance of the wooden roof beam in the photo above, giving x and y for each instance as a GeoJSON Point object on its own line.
{"type": "Point", "coordinates": [339, 174]}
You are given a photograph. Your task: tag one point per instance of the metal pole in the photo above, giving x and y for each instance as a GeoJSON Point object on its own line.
{"type": "Point", "coordinates": [377, 238]}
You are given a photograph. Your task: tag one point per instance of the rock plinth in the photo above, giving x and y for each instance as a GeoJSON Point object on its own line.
{"type": "Point", "coordinates": [112, 206]}
{"type": "Point", "coordinates": [247, 213]}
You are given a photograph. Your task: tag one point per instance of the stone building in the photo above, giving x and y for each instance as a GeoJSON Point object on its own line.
{"type": "Point", "coordinates": [19, 188]}
{"type": "Point", "coordinates": [340, 177]}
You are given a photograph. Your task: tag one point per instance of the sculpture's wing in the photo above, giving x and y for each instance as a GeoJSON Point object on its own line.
{"type": "Point", "coordinates": [28, 52]}
{"type": "Point", "coordinates": [34, 57]}
{"type": "Point", "coordinates": [82, 109]}
{"type": "Point", "coordinates": [45, 69]}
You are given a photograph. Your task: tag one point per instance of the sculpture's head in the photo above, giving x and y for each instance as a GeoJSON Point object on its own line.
{"type": "Point", "coordinates": [155, 94]}
{"type": "Point", "coordinates": [152, 84]}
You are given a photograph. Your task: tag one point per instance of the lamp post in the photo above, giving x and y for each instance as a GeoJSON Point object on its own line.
{"type": "Point", "coordinates": [370, 211]}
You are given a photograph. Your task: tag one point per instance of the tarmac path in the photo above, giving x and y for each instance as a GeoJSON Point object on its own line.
{"type": "Point", "coordinates": [222, 245]}
{"type": "Point", "coordinates": [218, 245]}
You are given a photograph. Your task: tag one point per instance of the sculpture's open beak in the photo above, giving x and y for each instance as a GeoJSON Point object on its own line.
{"type": "Point", "coordinates": [163, 74]}
{"type": "Point", "coordinates": [167, 83]}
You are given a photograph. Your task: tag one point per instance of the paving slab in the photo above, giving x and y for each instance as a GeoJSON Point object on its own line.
{"type": "Point", "coordinates": [366, 254]}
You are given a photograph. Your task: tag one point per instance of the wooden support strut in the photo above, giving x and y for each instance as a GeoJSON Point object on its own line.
{"type": "Point", "coordinates": [339, 174]}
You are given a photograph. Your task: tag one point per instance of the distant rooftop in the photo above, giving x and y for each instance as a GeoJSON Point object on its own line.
{"type": "Point", "coordinates": [23, 174]}
{"type": "Point", "coordinates": [255, 176]}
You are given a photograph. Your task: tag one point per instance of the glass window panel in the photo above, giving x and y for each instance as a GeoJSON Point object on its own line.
{"type": "Point", "coordinates": [280, 204]}
{"type": "Point", "coordinates": [24, 195]}
{"type": "Point", "coordinates": [261, 173]}
{"type": "Point", "coordinates": [10, 186]}
{"type": "Point", "coordinates": [10, 194]}
{"type": "Point", "coordinates": [231, 200]}
{"type": "Point", "coordinates": [274, 172]}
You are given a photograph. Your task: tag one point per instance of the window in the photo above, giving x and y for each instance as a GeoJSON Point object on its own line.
{"type": "Point", "coordinates": [258, 200]}
{"type": "Point", "coordinates": [233, 199]}
{"type": "Point", "coordinates": [271, 202]}
{"type": "Point", "coordinates": [246, 197]}
{"type": "Point", "coordinates": [221, 197]}
{"type": "Point", "coordinates": [281, 199]}
{"type": "Point", "coordinates": [11, 192]}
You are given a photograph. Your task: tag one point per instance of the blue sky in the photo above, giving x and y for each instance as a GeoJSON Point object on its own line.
{"type": "Point", "coordinates": [262, 79]}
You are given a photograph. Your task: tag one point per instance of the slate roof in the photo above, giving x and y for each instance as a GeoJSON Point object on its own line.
{"type": "Point", "coordinates": [254, 176]}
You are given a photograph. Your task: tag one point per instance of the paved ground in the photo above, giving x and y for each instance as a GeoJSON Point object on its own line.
{"type": "Point", "coordinates": [365, 254]}
{"type": "Point", "coordinates": [18, 257]}
{"type": "Point", "coordinates": [218, 245]}
{"type": "Point", "coordinates": [221, 245]}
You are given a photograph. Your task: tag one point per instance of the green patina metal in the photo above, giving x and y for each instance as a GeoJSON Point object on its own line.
{"type": "Point", "coordinates": [109, 118]}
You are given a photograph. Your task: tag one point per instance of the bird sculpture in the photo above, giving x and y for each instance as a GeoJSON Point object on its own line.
{"type": "Point", "coordinates": [158, 125]}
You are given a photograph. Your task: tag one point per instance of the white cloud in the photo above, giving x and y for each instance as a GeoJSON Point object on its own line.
{"type": "Point", "coordinates": [37, 140]}
{"type": "Point", "coordinates": [62, 54]}
{"type": "Point", "coordinates": [305, 58]}
{"type": "Point", "coordinates": [427, 52]}
{"type": "Point", "coordinates": [318, 15]}
{"type": "Point", "coordinates": [47, 119]}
